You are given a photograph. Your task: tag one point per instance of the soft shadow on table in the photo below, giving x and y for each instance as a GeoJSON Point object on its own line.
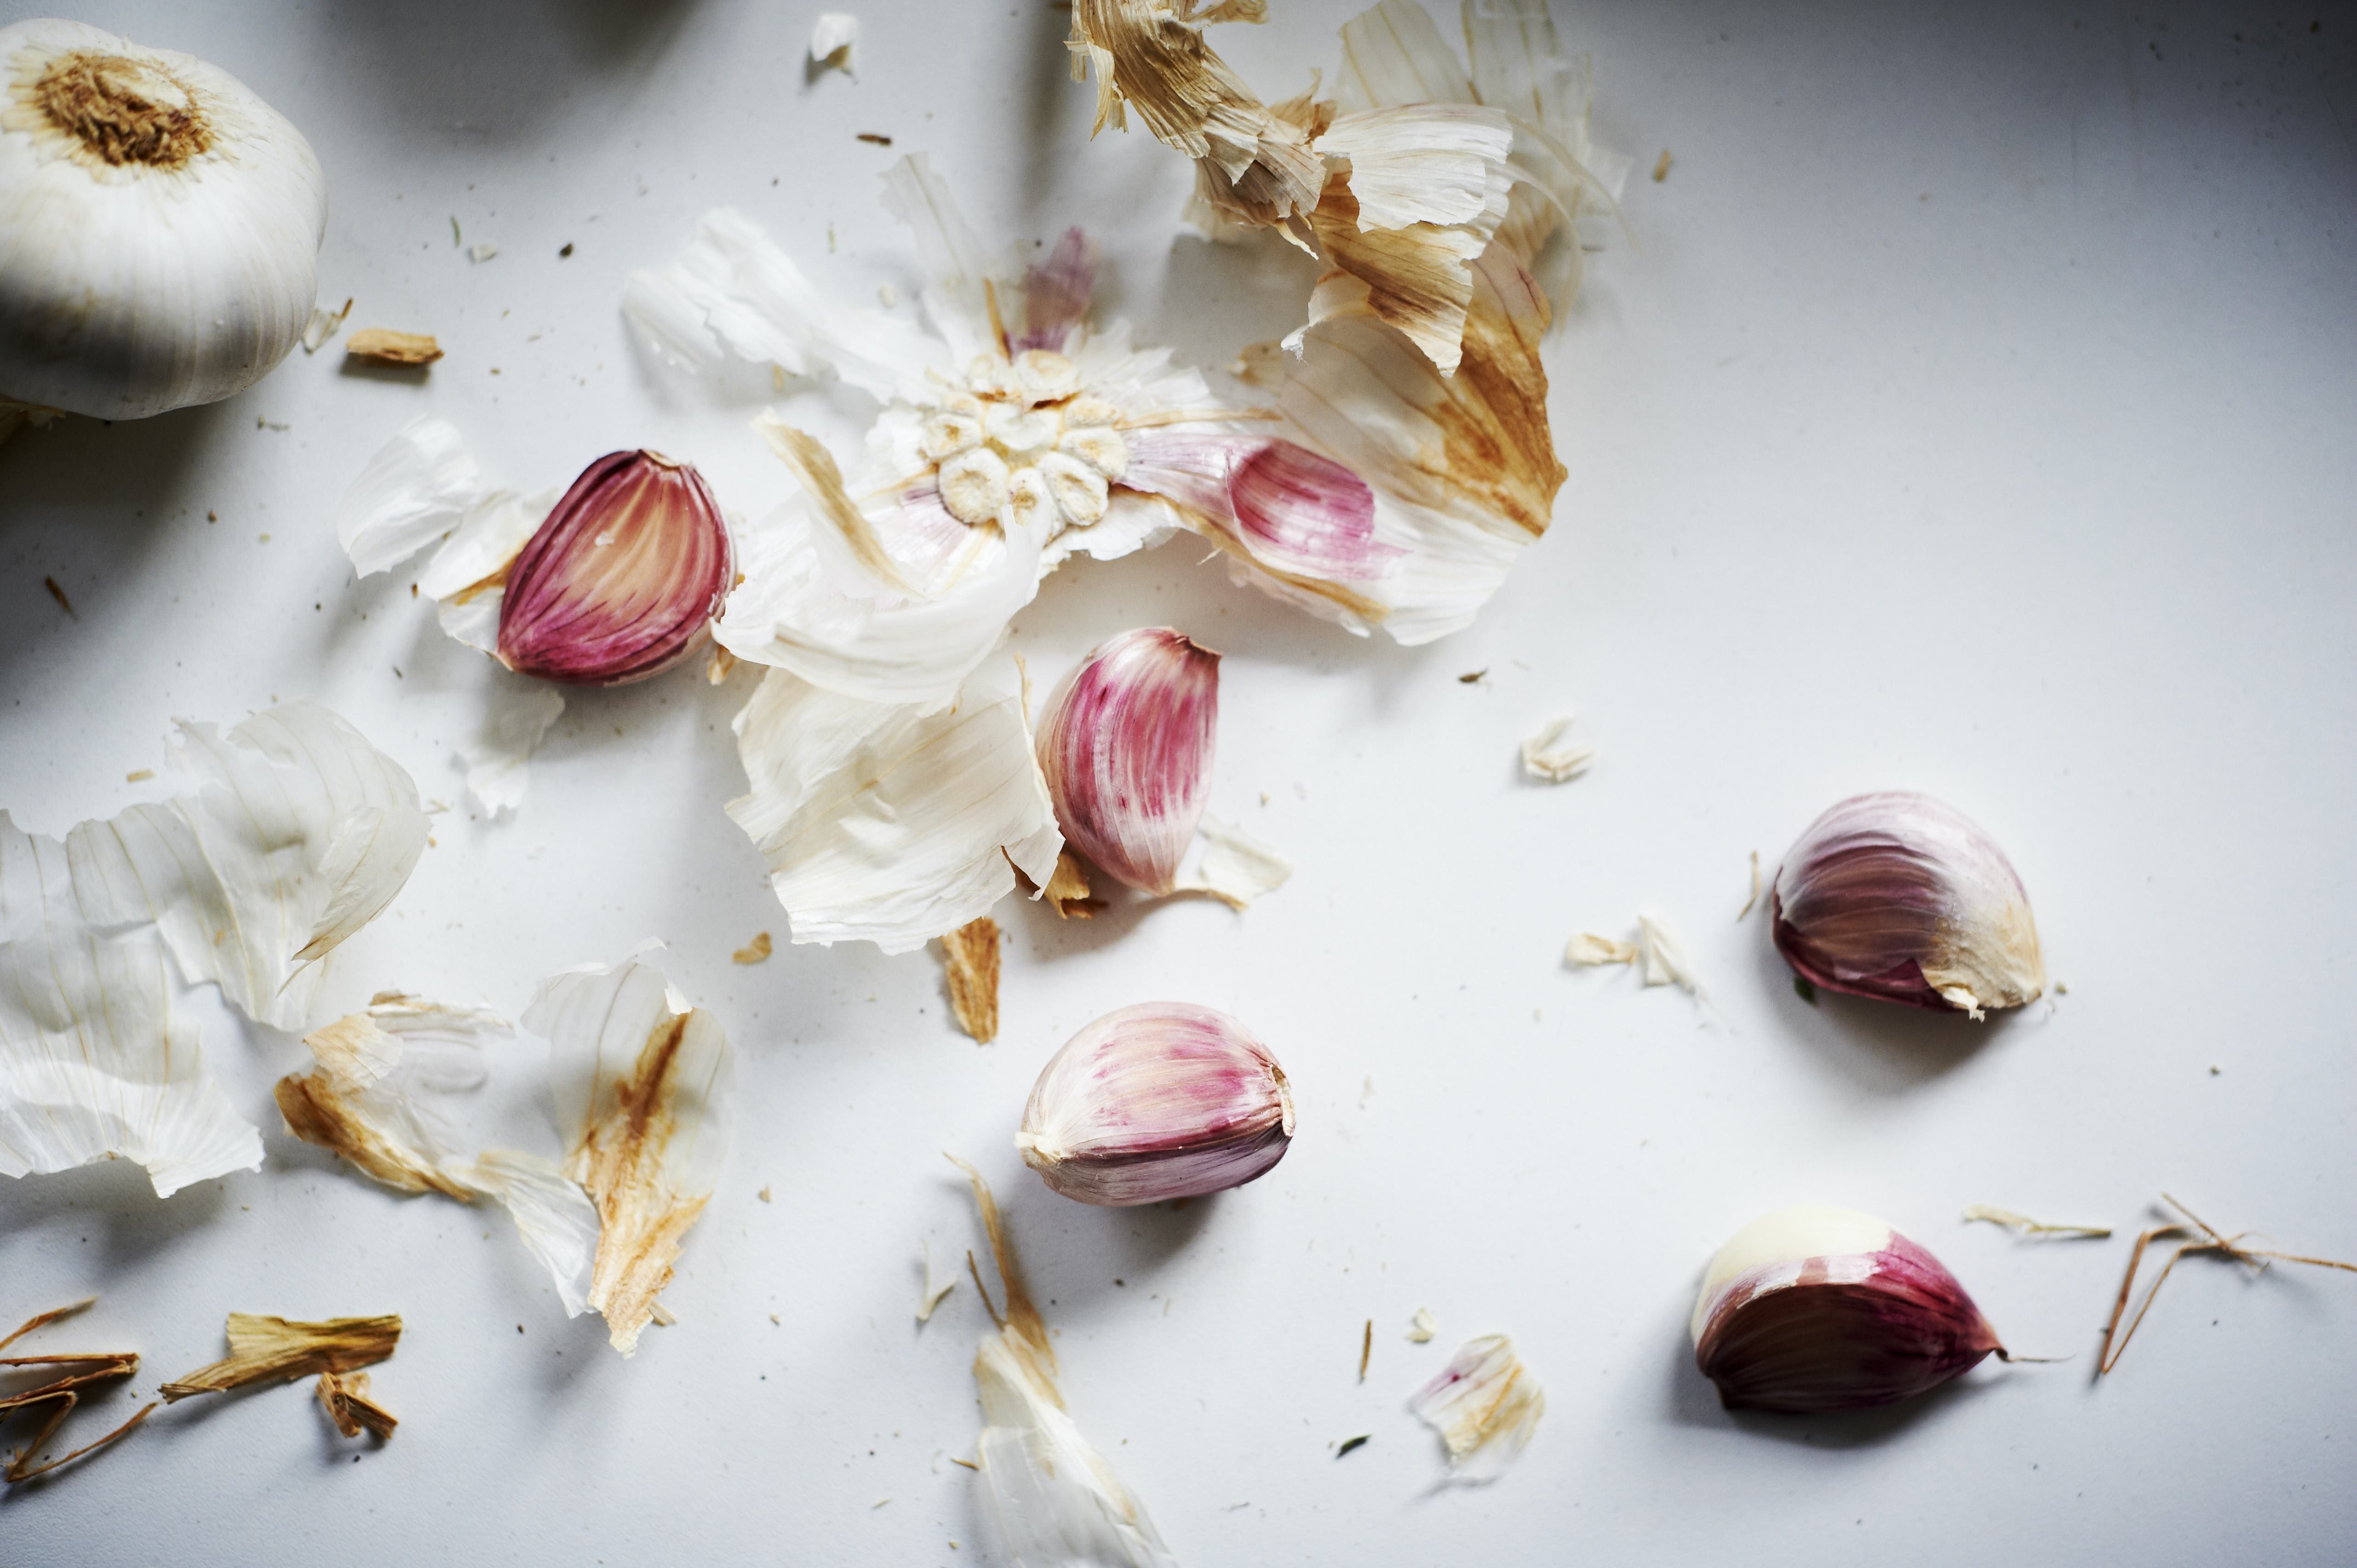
{"type": "Point", "coordinates": [499, 70]}
{"type": "Point", "coordinates": [117, 487]}
{"type": "Point", "coordinates": [1879, 1045]}
{"type": "Point", "coordinates": [109, 1210]}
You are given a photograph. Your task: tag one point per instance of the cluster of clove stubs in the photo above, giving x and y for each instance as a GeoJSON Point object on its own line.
{"type": "Point", "coordinates": [261, 1350]}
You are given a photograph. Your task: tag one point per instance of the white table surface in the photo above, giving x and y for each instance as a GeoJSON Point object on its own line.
{"type": "Point", "coordinates": [1972, 412]}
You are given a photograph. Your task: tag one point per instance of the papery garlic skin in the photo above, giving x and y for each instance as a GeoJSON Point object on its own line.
{"type": "Point", "coordinates": [162, 224]}
{"type": "Point", "coordinates": [623, 580]}
{"type": "Point", "coordinates": [1814, 1309]}
{"type": "Point", "coordinates": [1898, 896]}
{"type": "Point", "coordinates": [1158, 1101]}
{"type": "Point", "coordinates": [1126, 745]}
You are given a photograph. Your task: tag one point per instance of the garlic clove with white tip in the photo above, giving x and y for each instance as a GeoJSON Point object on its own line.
{"type": "Point", "coordinates": [1814, 1309]}
{"type": "Point", "coordinates": [162, 224]}
{"type": "Point", "coordinates": [1159, 1100]}
{"type": "Point", "coordinates": [1901, 897]}
{"type": "Point", "coordinates": [1126, 745]}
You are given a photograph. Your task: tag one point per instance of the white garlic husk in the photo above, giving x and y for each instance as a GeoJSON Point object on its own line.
{"type": "Point", "coordinates": [1901, 897]}
{"type": "Point", "coordinates": [1159, 1100]}
{"type": "Point", "coordinates": [1814, 1309]}
{"type": "Point", "coordinates": [162, 226]}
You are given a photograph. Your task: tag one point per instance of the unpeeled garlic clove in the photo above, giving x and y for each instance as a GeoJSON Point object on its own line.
{"type": "Point", "coordinates": [1898, 896]}
{"type": "Point", "coordinates": [1162, 1099]}
{"type": "Point", "coordinates": [623, 580]}
{"type": "Point", "coordinates": [1126, 745]}
{"type": "Point", "coordinates": [1818, 1309]}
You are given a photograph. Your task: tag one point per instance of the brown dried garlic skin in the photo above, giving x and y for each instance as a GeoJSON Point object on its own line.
{"type": "Point", "coordinates": [1160, 1100]}
{"type": "Point", "coordinates": [163, 226]}
{"type": "Point", "coordinates": [1901, 897]}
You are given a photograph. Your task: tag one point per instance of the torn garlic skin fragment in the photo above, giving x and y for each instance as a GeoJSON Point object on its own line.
{"type": "Point", "coordinates": [1485, 1404]}
{"type": "Point", "coordinates": [274, 1349]}
{"type": "Point", "coordinates": [374, 1096]}
{"type": "Point", "coordinates": [1051, 1497]}
{"type": "Point", "coordinates": [1551, 756]}
{"type": "Point", "coordinates": [1450, 200]}
{"type": "Point", "coordinates": [642, 1082]}
{"type": "Point", "coordinates": [832, 38]}
{"type": "Point", "coordinates": [297, 832]}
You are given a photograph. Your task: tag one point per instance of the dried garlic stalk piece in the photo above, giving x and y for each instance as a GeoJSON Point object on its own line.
{"type": "Point", "coordinates": [370, 1098]}
{"type": "Point", "coordinates": [297, 833]}
{"type": "Point", "coordinates": [970, 956]}
{"type": "Point", "coordinates": [2022, 1224]}
{"type": "Point", "coordinates": [386, 347]}
{"type": "Point", "coordinates": [273, 1350]}
{"type": "Point", "coordinates": [1485, 1405]}
{"type": "Point", "coordinates": [2205, 1238]}
{"type": "Point", "coordinates": [345, 1397]}
{"type": "Point", "coordinates": [75, 1372]}
{"type": "Point", "coordinates": [641, 1083]}
{"type": "Point", "coordinates": [1051, 1497]}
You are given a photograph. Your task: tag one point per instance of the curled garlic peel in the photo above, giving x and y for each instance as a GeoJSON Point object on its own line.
{"type": "Point", "coordinates": [163, 226]}
{"type": "Point", "coordinates": [1126, 745]}
{"type": "Point", "coordinates": [1158, 1101]}
{"type": "Point", "coordinates": [1898, 896]}
{"type": "Point", "coordinates": [1816, 1309]}
{"type": "Point", "coordinates": [622, 579]}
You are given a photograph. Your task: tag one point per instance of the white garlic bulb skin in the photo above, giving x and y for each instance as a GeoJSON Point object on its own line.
{"type": "Point", "coordinates": [160, 226]}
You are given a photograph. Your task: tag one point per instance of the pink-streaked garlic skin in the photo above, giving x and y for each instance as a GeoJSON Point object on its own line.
{"type": "Point", "coordinates": [1163, 1099]}
{"type": "Point", "coordinates": [1903, 899]}
{"type": "Point", "coordinates": [1287, 508]}
{"type": "Point", "coordinates": [623, 578]}
{"type": "Point", "coordinates": [1125, 745]}
{"type": "Point", "coordinates": [1870, 1319]}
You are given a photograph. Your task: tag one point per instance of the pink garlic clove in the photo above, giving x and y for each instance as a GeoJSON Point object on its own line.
{"type": "Point", "coordinates": [1159, 1100]}
{"type": "Point", "coordinates": [1814, 1309]}
{"type": "Point", "coordinates": [1125, 745]}
{"type": "Point", "coordinates": [623, 578]}
{"type": "Point", "coordinates": [1898, 897]}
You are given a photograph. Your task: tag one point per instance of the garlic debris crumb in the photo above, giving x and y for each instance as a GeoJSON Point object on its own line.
{"type": "Point", "coordinates": [1422, 1327]}
{"type": "Point", "coordinates": [970, 957]}
{"type": "Point", "coordinates": [936, 1285]}
{"type": "Point", "coordinates": [273, 1350]}
{"type": "Point", "coordinates": [1664, 951]}
{"type": "Point", "coordinates": [386, 347]}
{"type": "Point", "coordinates": [1485, 1405]}
{"type": "Point", "coordinates": [1662, 166]}
{"type": "Point", "coordinates": [482, 252]}
{"type": "Point", "coordinates": [763, 1195]}
{"type": "Point", "coordinates": [1588, 949]}
{"type": "Point", "coordinates": [832, 38]}
{"type": "Point", "coordinates": [1548, 755]}
{"type": "Point", "coordinates": [345, 1397]}
{"type": "Point", "coordinates": [2024, 1225]}
{"type": "Point", "coordinates": [324, 324]}
{"type": "Point", "coordinates": [754, 951]}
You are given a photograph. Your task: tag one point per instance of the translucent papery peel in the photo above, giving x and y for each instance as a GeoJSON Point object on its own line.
{"type": "Point", "coordinates": [1819, 1309]}
{"type": "Point", "coordinates": [642, 1082]}
{"type": "Point", "coordinates": [1051, 1499]}
{"type": "Point", "coordinates": [1486, 1406]}
{"type": "Point", "coordinates": [1126, 745]}
{"type": "Point", "coordinates": [883, 823]}
{"type": "Point", "coordinates": [297, 833]}
{"type": "Point", "coordinates": [372, 1096]}
{"type": "Point", "coordinates": [1899, 898]}
{"type": "Point", "coordinates": [1163, 1099]}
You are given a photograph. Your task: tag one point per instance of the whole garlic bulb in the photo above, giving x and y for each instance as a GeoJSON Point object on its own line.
{"type": "Point", "coordinates": [1818, 1309]}
{"type": "Point", "coordinates": [160, 226]}
{"type": "Point", "coordinates": [1158, 1101]}
{"type": "Point", "coordinates": [1901, 897]}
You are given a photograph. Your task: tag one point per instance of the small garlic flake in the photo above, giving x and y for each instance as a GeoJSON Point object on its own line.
{"type": "Point", "coordinates": [386, 347]}
{"type": "Point", "coordinates": [830, 40]}
{"type": "Point", "coordinates": [753, 952]}
{"type": "Point", "coordinates": [2024, 1225]}
{"type": "Point", "coordinates": [1547, 756]}
{"type": "Point", "coordinates": [1666, 962]}
{"type": "Point", "coordinates": [1588, 949]}
{"type": "Point", "coordinates": [481, 252]}
{"type": "Point", "coordinates": [1422, 1327]}
{"type": "Point", "coordinates": [1485, 1405]}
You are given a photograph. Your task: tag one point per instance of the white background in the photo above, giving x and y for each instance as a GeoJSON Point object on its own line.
{"type": "Point", "coordinates": [1970, 410]}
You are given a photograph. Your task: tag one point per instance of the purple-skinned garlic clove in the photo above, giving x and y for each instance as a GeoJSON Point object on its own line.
{"type": "Point", "coordinates": [623, 578]}
{"type": "Point", "coordinates": [1901, 897]}
{"type": "Point", "coordinates": [1815, 1309]}
{"type": "Point", "coordinates": [1159, 1100]}
{"type": "Point", "coordinates": [1126, 745]}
